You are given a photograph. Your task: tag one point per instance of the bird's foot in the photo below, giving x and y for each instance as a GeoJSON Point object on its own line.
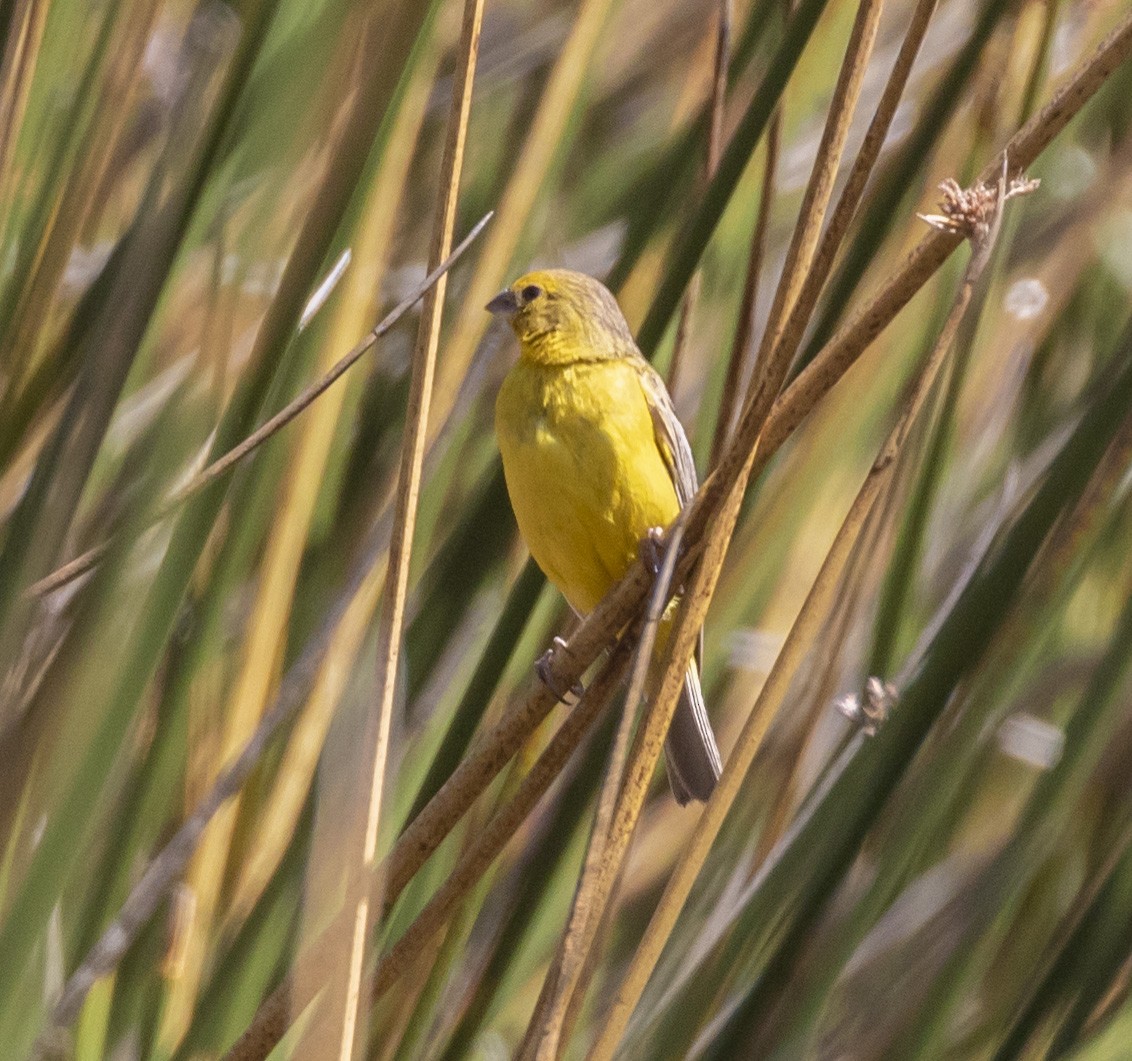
{"type": "Point", "coordinates": [651, 550]}
{"type": "Point", "coordinates": [543, 669]}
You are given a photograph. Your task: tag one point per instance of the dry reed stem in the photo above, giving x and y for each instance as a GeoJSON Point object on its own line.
{"type": "Point", "coordinates": [80, 565]}
{"type": "Point", "coordinates": [351, 314]}
{"type": "Point", "coordinates": [599, 629]}
{"type": "Point", "coordinates": [721, 62]}
{"type": "Point", "coordinates": [841, 218]}
{"type": "Point", "coordinates": [550, 1015]}
{"type": "Point", "coordinates": [350, 987]}
{"type": "Point", "coordinates": [519, 197]}
{"type": "Point", "coordinates": [494, 836]}
{"type": "Point", "coordinates": [745, 327]}
{"type": "Point", "coordinates": [271, 1018]}
{"type": "Point", "coordinates": [836, 357]}
{"type": "Point", "coordinates": [167, 866]}
{"type": "Point", "coordinates": [772, 362]}
{"type": "Point", "coordinates": [850, 198]}
{"type": "Point", "coordinates": [799, 642]}
{"type": "Point", "coordinates": [658, 718]}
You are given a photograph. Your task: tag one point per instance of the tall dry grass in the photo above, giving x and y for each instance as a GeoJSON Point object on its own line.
{"type": "Point", "coordinates": [275, 773]}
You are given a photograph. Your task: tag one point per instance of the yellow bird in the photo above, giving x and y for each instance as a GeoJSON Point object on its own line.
{"type": "Point", "coordinates": [595, 458]}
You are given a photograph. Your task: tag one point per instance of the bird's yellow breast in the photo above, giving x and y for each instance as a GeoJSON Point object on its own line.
{"type": "Point", "coordinates": [585, 476]}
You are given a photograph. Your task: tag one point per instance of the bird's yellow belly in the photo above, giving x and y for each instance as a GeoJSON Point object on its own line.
{"type": "Point", "coordinates": [584, 474]}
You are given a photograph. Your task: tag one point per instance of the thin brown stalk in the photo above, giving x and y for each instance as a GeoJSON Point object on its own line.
{"type": "Point", "coordinates": [167, 867]}
{"type": "Point", "coordinates": [720, 62]}
{"type": "Point", "coordinates": [545, 1029]}
{"type": "Point", "coordinates": [271, 1018]}
{"type": "Point", "coordinates": [799, 642]}
{"type": "Point", "coordinates": [835, 358]}
{"type": "Point", "coordinates": [818, 691]}
{"type": "Point", "coordinates": [850, 198]}
{"type": "Point", "coordinates": [503, 825]}
{"type": "Point", "coordinates": [80, 565]}
{"type": "Point", "coordinates": [600, 628]}
{"type": "Point", "coordinates": [745, 328]}
{"type": "Point", "coordinates": [658, 718]}
{"type": "Point", "coordinates": [349, 989]}
{"type": "Point", "coordinates": [771, 363]}
{"type": "Point", "coordinates": [527, 181]}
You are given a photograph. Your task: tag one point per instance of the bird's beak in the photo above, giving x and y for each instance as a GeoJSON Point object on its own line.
{"type": "Point", "coordinates": [506, 302]}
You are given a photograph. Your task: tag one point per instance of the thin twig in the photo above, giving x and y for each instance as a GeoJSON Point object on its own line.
{"type": "Point", "coordinates": [545, 1028]}
{"type": "Point", "coordinates": [83, 563]}
{"type": "Point", "coordinates": [270, 1021]}
{"type": "Point", "coordinates": [503, 825]}
{"type": "Point", "coordinates": [799, 642]}
{"type": "Point", "coordinates": [349, 988]}
{"type": "Point", "coordinates": [527, 182]}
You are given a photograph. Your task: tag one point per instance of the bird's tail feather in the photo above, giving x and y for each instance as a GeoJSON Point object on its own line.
{"type": "Point", "coordinates": [690, 752]}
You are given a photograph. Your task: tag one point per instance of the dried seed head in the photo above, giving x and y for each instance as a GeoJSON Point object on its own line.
{"type": "Point", "coordinates": [969, 212]}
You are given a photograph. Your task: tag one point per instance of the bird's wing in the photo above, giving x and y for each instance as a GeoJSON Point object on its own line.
{"type": "Point", "coordinates": [672, 443]}
{"type": "Point", "coordinates": [670, 437]}
{"type": "Point", "coordinates": [675, 448]}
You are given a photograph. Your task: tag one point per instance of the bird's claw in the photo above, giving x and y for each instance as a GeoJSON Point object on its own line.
{"type": "Point", "coordinates": [651, 550]}
{"type": "Point", "coordinates": [543, 669]}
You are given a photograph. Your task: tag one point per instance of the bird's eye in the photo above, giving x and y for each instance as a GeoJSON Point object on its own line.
{"type": "Point", "coordinates": [531, 292]}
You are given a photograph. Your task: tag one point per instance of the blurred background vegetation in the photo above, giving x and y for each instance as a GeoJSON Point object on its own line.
{"type": "Point", "coordinates": [206, 204]}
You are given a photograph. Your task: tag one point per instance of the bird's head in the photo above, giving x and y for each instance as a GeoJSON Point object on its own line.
{"type": "Point", "coordinates": [560, 316]}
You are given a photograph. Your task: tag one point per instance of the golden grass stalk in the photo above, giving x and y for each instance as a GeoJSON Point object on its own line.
{"type": "Point", "coordinates": [348, 990]}
{"type": "Point", "coordinates": [772, 361]}
{"type": "Point", "coordinates": [799, 642]}
{"type": "Point", "coordinates": [547, 1029]}
{"type": "Point", "coordinates": [360, 285]}
{"type": "Point", "coordinates": [223, 464]}
{"type": "Point", "coordinates": [519, 197]}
